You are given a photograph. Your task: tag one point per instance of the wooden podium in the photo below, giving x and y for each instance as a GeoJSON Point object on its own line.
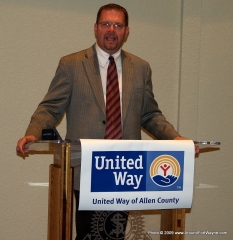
{"type": "Point", "coordinates": [60, 200]}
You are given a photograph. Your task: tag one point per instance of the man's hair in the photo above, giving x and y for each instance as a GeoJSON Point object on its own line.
{"type": "Point", "coordinates": [116, 7]}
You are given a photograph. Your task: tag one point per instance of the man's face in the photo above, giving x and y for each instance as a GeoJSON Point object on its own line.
{"type": "Point", "coordinates": [110, 39]}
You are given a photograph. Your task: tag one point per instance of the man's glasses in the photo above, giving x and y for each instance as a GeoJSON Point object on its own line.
{"type": "Point", "coordinates": [107, 25]}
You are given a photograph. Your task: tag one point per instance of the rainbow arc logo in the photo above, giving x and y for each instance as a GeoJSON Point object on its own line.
{"type": "Point", "coordinates": [165, 170]}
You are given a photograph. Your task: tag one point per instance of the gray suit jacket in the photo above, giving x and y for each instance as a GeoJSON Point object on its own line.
{"type": "Point", "coordinates": [77, 91]}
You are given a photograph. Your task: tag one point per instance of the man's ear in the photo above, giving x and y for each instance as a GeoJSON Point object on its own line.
{"type": "Point", "coordinates": [95, 28]}
{"type": "Point", "coordinates": [126, 33]}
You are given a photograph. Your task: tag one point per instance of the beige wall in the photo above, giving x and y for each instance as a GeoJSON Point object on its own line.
{"type": "Point", "coordinates": [189, 46]}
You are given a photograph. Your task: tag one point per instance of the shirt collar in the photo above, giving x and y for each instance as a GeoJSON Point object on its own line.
{"type": "Point", "coordinates": [103, 56]}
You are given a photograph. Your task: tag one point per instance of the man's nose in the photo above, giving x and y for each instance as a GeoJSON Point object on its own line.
{"type": "Point", "coordinates": [111, 27]}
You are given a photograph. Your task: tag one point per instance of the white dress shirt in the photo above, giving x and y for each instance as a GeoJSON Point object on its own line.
{"type": "Point", "coordinates": [103, 65]}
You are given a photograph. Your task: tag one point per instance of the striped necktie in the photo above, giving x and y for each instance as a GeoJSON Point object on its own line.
{"type": "Point", "coordinates": [113, 105]}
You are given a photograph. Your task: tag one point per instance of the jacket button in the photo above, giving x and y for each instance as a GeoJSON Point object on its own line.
{"type": "Point", "coordinates": [103, 122]}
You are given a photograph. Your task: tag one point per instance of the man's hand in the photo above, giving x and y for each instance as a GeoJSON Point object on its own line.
{"type": "Point", "coordinates": [22, 145]}
{"type": "Point", "coordinates": [197, 150]}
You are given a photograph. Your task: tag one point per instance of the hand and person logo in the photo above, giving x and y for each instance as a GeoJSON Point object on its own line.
{"type": "Point", "coordinates": [165, 170]}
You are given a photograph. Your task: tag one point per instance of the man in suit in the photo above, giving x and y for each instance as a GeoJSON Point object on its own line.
{"type": "Point", "coordinates": [79, 90]}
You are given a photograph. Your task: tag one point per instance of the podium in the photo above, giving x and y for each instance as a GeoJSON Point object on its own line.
{"type": "Point", "coordinates": [60, 196]}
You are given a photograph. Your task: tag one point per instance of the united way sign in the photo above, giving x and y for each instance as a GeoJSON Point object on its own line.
{"type": "Point", "coordinates": [136, 175]}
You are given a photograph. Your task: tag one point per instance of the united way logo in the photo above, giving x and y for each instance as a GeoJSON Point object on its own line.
{"type": "Point", "coordinates": [165, 170]}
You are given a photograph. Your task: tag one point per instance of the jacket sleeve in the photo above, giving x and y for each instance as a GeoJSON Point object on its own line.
{"type": "Point", "coordinates": [153, 120]}
{"type": "Point", "coordinates": [52, 108]}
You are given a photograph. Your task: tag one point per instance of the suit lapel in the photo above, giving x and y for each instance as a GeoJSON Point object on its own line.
{"type": "Point", "coordinates": [92, 70]}
{"type": "Point", "coordinates": [91, 66]}
{"type": "Point", "coordinates": [127, 81]}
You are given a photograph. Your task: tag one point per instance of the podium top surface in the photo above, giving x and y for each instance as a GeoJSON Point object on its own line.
{"type": "Point", "coordinates": [73, 149]}
{"type": "Point", "coordinates": [50, 145]}
{"type": "Point", "coordinates": [47, 146]}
